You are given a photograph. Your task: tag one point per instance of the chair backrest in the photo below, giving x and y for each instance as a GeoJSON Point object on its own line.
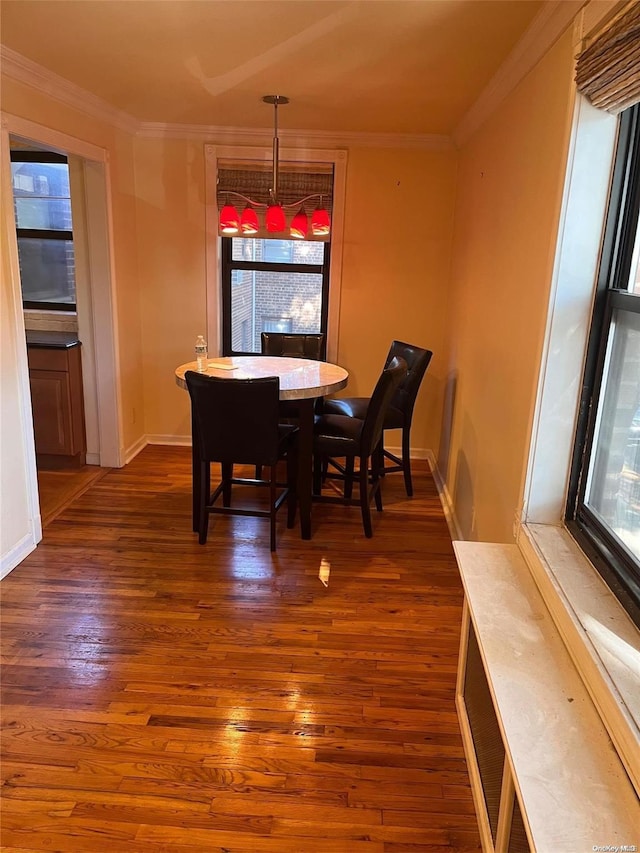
{"type": "Point", "coordinates": [386, 386]}
{"type": "Point", "coordinates": [237, 419]}
{"type": "Point", "coordinates": [417, 360]}
{"type": "Point", "coordinates": [292, 345]}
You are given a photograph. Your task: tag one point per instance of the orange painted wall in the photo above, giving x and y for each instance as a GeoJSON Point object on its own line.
{"type": "Point", "coordinates": [397, 256]}
{"type": "Point", "coordinates": [170, 184]}
{"type": "Point", "coordinates": [509, 192]}
{"type": "Point", "coordinates": [394, 282]}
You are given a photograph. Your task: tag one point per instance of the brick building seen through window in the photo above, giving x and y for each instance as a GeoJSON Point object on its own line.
{"type": "Point", "coordinates": [272, 285]}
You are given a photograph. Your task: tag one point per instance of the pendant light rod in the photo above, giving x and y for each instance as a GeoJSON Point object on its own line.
{"type": "Point", "coordinates": [231, 222]}
{"type": "Point", "coordinates": [259, 204]}
{"type": "Point", "coordinates": [275, 101]}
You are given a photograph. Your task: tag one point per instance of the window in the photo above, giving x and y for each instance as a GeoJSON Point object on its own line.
{"type": "Point", "coordinates": [220, 159]}
{"type": "Point", "coordinates": [283, 325]}
{"type": "Point", "coordinates": [278, 251]}
{"type": "Point", "coordinates": [272, 284]}
{"type": "Point", "coordinates": [604, 496]}
{"type": "Point", "coordinates": [42, 205]}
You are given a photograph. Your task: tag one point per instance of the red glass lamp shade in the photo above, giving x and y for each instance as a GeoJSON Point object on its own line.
{"type": "Point", "coordinates": [320, 222]}
{"type": "Point", "coordinates": [299, 225]}
{"type": "Point", "coordinates": [229, 220]}
{"type": "Point", "coordinates": [249, 221]}
{"type": "Point", "coordinates": [275, 219]}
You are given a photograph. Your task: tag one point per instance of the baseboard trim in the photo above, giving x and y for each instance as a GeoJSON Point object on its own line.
{"type": "Point", "coordinates": [173, 440]}
{"type": "Point", "coordinates": [17, 554]}
{"type": "Point", "coordinates": [445, 498]}
{"type": "Point", "coordinates": [416, 452]}
{"type": "Point", "coordinates": [132, 451]}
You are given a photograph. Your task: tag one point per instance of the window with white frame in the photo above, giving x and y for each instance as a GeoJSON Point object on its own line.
{"type": "Point", "coordinates": [42, 206]}
{"type": "Point", "coordinates": [266, 281]}
{"type": "Point", "coordinates": [603, 509]}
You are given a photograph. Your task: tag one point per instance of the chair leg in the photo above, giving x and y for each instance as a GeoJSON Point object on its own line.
{"type": "Point", "coordinates": [406, 461]}
{"type": "Point", "coordinates": [318, 464]}
{"type": "Point", "coordinates": [375, 487]}
{"type": "Point", "coordinates": [203, 518]}
{"type": "Point", "coordinates": [227, 474]}
{"type": "Point", "coordinates": [348, 477]}
{"type": "Point", "coordinates": [365, 498]}
{"type": "Point", "coordinates": [378, 457]}
{"type": "Point", "coordinates": [273, 494]}
{"type": "Point", "coordinates": [292, 483]}
{"type": "Point", "coordinates": [258, 472]}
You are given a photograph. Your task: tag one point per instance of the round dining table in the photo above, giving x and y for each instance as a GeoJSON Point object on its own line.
{"type": "Point", "coordinates": [302, 380]}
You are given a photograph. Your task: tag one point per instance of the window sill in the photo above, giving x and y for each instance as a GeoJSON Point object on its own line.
{"type": "Point", "coordinates": [600, 637]}
{"type": "Point", "coordinates": [559, 764]}
{"type": "Point", "coordinates": [60, 321]}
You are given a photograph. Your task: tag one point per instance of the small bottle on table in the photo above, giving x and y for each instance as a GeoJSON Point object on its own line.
{"type": "Point", "coordinates": [202, 354]}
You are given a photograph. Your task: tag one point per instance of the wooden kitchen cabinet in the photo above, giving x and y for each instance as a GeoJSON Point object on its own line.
{"type": "Point", "coordinates": [55, 373]}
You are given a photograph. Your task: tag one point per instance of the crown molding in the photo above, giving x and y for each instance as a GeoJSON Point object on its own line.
{"type": "Point", "coordinates": [26, 71]}
{"type": "Point", "coordinates": [306, 138]}
{"type": "Point", "coordinates": [549, 24]}
{"type": "Point", "coordinates": [552, 20]}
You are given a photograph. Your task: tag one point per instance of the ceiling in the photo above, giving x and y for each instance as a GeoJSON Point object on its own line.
{"type": "Point", "coordinates": [348, 66]}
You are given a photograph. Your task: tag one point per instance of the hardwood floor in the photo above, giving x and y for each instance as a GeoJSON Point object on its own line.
{"type": "Point", "coordinates": [56, 489]}
{"type": "Point", "coordinates": [160, 695]}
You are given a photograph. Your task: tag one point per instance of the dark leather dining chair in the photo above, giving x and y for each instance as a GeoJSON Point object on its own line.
{"type": "Point", "coordinates": [293, 345]}
{"type": "Point", "coordinates": [399, 414]}
{"type": "Point", "coordinates": [353, 438]}
{"type": "Point", "coordinates": [237, 422]}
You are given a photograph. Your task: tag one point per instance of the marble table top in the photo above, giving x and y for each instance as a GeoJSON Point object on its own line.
{"type": "Point", "coordinates": [300, 378]}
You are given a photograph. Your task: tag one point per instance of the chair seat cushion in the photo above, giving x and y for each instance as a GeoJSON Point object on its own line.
{"type": "Point", "coordinates": [356, 407]}
{"type": "Point", "coordinates": [337, 435]}
{"type": "Point", "coordinates": [350, 407]}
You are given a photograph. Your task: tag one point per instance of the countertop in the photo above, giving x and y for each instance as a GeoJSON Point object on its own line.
{"type": "Point", "coordinates": [46, 339]}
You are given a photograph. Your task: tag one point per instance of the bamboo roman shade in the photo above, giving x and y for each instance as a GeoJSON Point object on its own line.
{"type": "Point", "coordinates": [295, 183]}
{"type": "Point", "coordinates": [608, 70]}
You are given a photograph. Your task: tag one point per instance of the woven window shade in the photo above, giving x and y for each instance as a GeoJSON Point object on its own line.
{"type": "Point", "coordinates": [608, 70]}
{"type": "Point", "coordinates": [294, 184]}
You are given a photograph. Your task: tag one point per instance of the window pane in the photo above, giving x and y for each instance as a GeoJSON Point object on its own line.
{"type": "Point", "coordinates": [283, 325]}
{"type": "Point", "coordinates": [47, 270]}
{"type": "Point", "coordinates": [634, 274]}
{"type": "Point", "coordinates": [613, 485]}
{"type": "Point", "coordinates": [277, 251]}
{"type": "Point", "coordinates": [41, 179]}
{"type": "Point", "coordinates": [293, 299]}
{"type": "Point", "coordinates": [53, 214]}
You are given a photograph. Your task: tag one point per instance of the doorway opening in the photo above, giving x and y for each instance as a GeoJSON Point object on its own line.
{"type": "Point", "coordinates": [92, 321]}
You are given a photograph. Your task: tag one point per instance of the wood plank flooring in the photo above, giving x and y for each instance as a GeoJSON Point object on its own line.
{"type": "Point", "coordinates": [57, 488]}
{"type": "Point", "coordinates": [159, 695]}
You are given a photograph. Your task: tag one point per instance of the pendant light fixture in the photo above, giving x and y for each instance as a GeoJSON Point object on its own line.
{"type": "Point", "coordinates": [320, 222]}
{"type": "Point", "coordinates": [229, 220]}
{"type": "Point", "coordinates": [249, 221]}
{"type": "Point", "coordinates": [299, 225]}
{"type": "Point", "coordinates": [275, 218]}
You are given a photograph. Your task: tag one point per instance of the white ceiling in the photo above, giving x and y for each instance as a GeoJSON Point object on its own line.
{"type": "Point", "coordinates": [348, 66]}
